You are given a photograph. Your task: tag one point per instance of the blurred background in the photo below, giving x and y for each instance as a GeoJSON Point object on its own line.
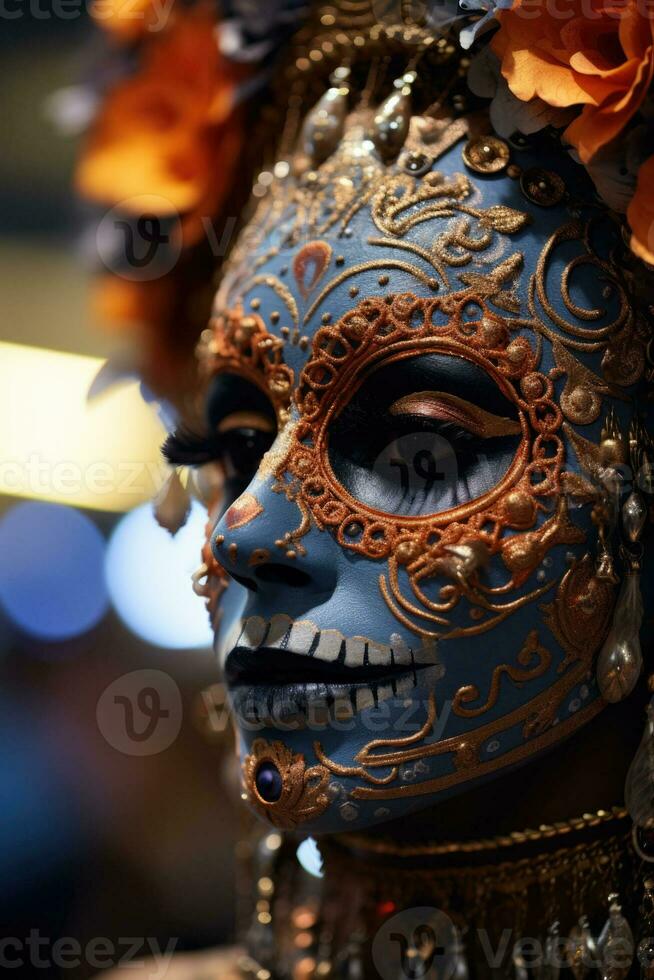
{"type": "Point", "coordinates": [116, 820]}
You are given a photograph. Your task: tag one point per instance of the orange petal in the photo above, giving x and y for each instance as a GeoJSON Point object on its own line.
{"type": "Point", "coordinates": [640, 214]}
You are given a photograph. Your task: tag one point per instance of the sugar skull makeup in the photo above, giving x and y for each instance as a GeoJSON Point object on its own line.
{"type": "Point", "coordinates": [421, 368]}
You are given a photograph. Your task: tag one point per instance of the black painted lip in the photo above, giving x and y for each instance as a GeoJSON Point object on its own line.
{"type": "Point", "coordinates": [276, 688]}
{"type": "Point", "coordinates": [303, 705]}
{"type": "Point", "coordinates": [271, 667]}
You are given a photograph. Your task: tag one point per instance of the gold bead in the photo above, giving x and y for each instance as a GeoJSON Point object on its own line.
{"type": "Point", "coordinates": [542, 187]}
{"type": "Point", "coordinates": [486, 154]}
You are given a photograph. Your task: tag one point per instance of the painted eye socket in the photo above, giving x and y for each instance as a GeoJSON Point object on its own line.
{"type": "Point", "coordinates": [424, 435]}
{"type": "Point", "coordinates": [243, 438]}
{"type": "Point", "coordinates": [240, 427]}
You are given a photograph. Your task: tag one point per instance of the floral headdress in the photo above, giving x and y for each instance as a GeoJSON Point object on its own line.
{"type": "Point", "coordinates": [184, 126]}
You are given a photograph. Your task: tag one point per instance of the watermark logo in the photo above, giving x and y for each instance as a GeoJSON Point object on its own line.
{"type": "Point", "coordinates": [141, 712]}
{"type": "Point", "coordinates": [416, 944]}
{"type": "Point", "coordinates": [140, 238]}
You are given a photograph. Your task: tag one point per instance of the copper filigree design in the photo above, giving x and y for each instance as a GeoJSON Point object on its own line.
{"type": "Point", "coordinates": [239, 342]}
{"type": "Point", "coordinates": [377, 764]}
{"type": "Point", "coordinates": [580, 613]}
{"type": "Point", "coordinates": [532, 650]}
{"type": "Point", "coordinates": [303, 789]}
{"type": "Point", "coordinates": [383, 329]}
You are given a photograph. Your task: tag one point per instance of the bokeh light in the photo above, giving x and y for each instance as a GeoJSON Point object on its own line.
{"type": "Point", "coordinates": [149, 578]}
{"type": "Point", "coordinates": [52, 582]}
{"type": "Point", "coordinates": [310, 857]}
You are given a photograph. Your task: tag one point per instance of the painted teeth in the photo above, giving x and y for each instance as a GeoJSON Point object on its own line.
{"type": "Point", "coordinates": [329, 645]}
{"type": "Point", "coordinates": [277, 633]}
{"type": "Point", "coordinates": [303, 637]}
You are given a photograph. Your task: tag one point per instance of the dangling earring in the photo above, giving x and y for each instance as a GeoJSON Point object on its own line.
{"type": "Point", "coordinates": [324, 125]}
{"type": "Point", "coordinates": [613, 453]}
{"type": "Point", "coordinates": [620, 661]}
{"type": "Point", "coordinates": [391, 123]}
{"type": "Point", "coordinates": [616, 943]}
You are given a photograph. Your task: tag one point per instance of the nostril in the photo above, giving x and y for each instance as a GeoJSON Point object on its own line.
{"type": "Point", "coordinates": [282, 575]}
{"type": "Point", "coordinates": [247, 583]}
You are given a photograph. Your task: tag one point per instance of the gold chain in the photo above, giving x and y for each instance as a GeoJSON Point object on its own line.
{"type": "Point", "coordinates": [432, 848]}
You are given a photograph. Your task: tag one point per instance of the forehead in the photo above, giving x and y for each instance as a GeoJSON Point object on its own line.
{"type": "Point", "coordinates": [454, 218]}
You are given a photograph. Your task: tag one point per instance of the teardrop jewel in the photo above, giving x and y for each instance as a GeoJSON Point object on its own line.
{"type": "Point", "coordinates": [634, 516]}
{"type": "Point", "coordinates": [392, 119]}
{"type": "Point", "coordinates": [550, 966]}
{"type": "Point", "coordinates": [582, 955]}
{"type": "Point", "coordinates": [172, 505]}
{"type": "Point", "coordinates": [620, 661]}
{"type": "Point", "coordinates": [324, 125]}
{"type": "Point", "coordinates": [615, 944]}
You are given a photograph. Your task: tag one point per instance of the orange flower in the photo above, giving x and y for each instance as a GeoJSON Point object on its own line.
{"type": "Point", "coordinates": [598, 54]}
{"type": "Point", "coordinates": [170, 131]}
{"type": "Point", "coordinates": [640, 214]}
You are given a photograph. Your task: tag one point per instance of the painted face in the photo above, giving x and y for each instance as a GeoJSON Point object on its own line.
{"type": "Point", "coordinates": [418, 373]}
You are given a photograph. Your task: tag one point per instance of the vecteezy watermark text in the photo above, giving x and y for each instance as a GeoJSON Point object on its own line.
{"type": "Point", "coordinates": [43, 953]}
{"type": "Point", "coordinates": [154, 18]}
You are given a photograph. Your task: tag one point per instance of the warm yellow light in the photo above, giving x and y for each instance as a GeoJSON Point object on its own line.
{"type": "Point", "coordinates": [56, 446]}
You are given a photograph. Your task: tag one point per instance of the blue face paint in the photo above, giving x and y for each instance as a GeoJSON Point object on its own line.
{"type": "Point", "coordinates": [419, 590]}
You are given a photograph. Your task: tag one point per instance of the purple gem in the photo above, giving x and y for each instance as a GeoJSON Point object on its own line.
{"type": "Point", "coordinates": [268, 781]}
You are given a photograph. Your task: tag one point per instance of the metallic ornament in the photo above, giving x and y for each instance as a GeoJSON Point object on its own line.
{"type": "Point", "coordinates": [634, 516]}
{"type": "Point", "coordinates": [416, 164]}
{"type": "Point", "coordinates": [639, 787]}
{"type": "Point", "coordinates": [582, 953]}
{"type": "Point", "coordinates": [280, 785]}
{"type": "Point", "coordinates": [645, 951]}
{"type": "Point", "coordinates": [325, 123]}
{"type": "Point", "coordinates": [172, 504]}
{"type": "Point", "coordinates": [486, 154]}
{"type": "Point", "coordinates": [615, 944]}
{"type": "Point", "coordinates": [542, 187]}
{"type": "Point", "coordinates": [620, 661]}
{"type": "Point", "coordinates": [613, 446]}
{"type": "Point", "coordinates": [549, 967]}
{"type": "Point", "coordinates": [393, 117]}
{"type": "Point", "coordinates": [469, 557]}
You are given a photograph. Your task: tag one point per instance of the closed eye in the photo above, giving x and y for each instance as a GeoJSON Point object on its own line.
{"type": "Point", "coordinates": [444, 407]}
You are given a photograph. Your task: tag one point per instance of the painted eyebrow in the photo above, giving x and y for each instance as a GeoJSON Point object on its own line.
{"type": "Point", "coordinates": [246, 420]}
{"type": "Point", "coordinates": [450, 408]}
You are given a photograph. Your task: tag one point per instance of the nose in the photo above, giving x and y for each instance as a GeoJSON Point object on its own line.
{"type": "Point", "coordinates": [262, 542]}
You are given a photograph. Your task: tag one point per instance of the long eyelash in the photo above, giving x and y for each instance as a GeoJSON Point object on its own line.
{"type": "Point", "coordinates": [183, 447]}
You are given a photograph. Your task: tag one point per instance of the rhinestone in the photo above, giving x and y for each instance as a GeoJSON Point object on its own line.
{"type": "Point", "coordinates": [348, 811]}
{"type": "Point", "coordinates": [416, 164]}
{"type": "Point", "coordinates": [335, 791]}
{"type": "Point", "coordinates": [542, 187]}
{"type": "Point", "coordinates": [493, 746]}
{"type": "Point", "coordinates": [486, 154]}
{"type": "Point", "coordinates": [268, 781]}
